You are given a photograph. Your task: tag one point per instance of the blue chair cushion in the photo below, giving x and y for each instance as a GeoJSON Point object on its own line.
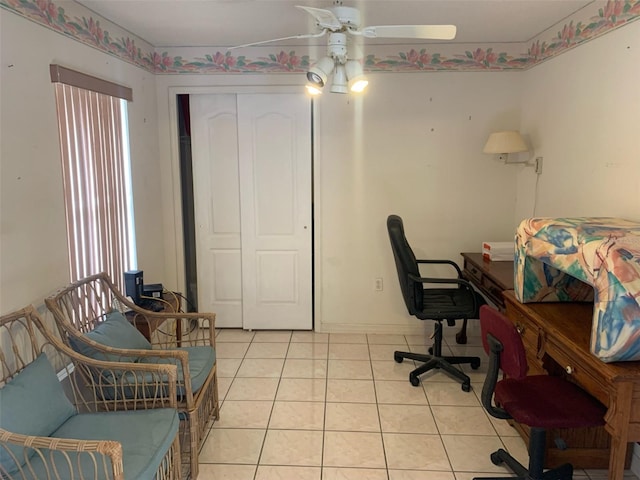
{"type": "Point", "coordinates": [115, 331]}
{"type": "Point", "coordinates": [145, 435]}
{"type": "Point", "coordinates": [32, 403]}
{"type": "Point", "coordinates": [201, 361]}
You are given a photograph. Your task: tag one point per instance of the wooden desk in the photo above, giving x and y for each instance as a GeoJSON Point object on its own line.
{"type": "Point", "coordinates": [556, 337]}
{"type": "Point", "coordinates": [491, 278]}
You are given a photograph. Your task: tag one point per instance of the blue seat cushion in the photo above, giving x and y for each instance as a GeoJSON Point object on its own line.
{"type": "Point", "coordinates": [32, 403]}
{"type": "Point", "coordinates": [201, 361]}
{"type": "Point", "coordinates": [115, 331]}
{"type": "Point", "coordinates": [145, 435]}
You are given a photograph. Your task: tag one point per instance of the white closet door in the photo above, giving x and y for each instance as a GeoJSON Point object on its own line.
{"type": "Point", "coordinates": [274, 146]}
{"type": "Point", "coordinates": [214, 137]}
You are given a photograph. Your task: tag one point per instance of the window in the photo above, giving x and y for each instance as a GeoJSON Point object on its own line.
{"type": "Point", "coordinates": [94, 143]}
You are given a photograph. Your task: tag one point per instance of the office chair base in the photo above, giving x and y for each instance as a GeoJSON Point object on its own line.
{"type": "Point", "coordinates": [563, 472]}
{"type": "Point", "coordinates": [432, 362]}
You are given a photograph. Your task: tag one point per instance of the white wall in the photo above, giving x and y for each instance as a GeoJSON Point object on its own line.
{"type": "Point", "coordinates": [412, 146]}
{"type": "Point", "coordinates": [33, 241]}
{"type": "Point", "coordinates": [582, 112]}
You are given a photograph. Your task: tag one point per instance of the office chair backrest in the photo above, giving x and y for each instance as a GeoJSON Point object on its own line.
{"type": "Point", "coordinates": [513, 360]}
{"type": "Point", "coordinates": [406, 265]}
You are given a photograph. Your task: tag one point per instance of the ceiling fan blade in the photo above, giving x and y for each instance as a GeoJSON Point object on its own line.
{"type": "Point", "coordinates": [324, 18]}
{"type": "Point", "coordinates": [435, 32]}
{"type": "Point", "coordinates": [304, 35]}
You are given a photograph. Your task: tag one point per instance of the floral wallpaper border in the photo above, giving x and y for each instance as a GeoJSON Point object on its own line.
{"type": "Point", "coordinates": [107, 37]}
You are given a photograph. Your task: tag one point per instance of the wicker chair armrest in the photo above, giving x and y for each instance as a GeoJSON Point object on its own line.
{"type": "Point", "coordinates": [44, 448]}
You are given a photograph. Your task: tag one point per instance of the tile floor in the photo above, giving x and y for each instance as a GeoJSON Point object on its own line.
{"type": "Point", "coordinates": [312, 406]}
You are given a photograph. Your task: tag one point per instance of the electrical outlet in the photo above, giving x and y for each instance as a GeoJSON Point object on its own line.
{"type": "Point", "coordinates": [539, 165]}
{"type": "Point", "coordinates": [378, 285]}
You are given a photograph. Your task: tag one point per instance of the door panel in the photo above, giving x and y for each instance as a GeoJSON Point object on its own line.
{"type": "Point", "coordinates": [217, 206]}
{"type": "Point", "coordinates": [274, 138]}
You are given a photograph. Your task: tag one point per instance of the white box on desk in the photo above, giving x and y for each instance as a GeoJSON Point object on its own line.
{"type": "Point", "coordinates": [498, 251]}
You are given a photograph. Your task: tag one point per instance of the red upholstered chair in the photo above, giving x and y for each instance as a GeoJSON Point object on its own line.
{"type": "Point", "coordinates": [539, 401]}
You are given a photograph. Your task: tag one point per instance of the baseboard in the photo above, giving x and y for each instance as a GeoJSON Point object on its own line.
{"type": "Point", "coordinates": [635, 460]}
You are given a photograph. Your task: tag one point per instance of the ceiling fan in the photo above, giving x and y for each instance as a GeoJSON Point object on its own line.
{"type": "Point", "coordinates": [339, 22]}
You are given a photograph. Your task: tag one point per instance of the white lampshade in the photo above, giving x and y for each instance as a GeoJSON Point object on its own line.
{"type": "Point", "coordinates": [505, 142]}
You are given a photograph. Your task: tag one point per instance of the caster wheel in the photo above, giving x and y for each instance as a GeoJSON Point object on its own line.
{"type": "Point", "coordinates": [430, 350]}
{"type": "Point", "coordinates": [398, 358]}
{"type": "Point", "coordinates": [415, 381]}
{"type": "Point", "coordinates": [466, 387]}
{"type": "Point", "coordinates": [475, 364]}
{"type": "Point", "coordinates": [495, 459]}
{"type": "Point", "coordinates": [461, 338]}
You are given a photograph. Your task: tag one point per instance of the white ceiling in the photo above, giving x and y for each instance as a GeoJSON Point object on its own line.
{"type": "Point", "coordinates": [223, 23]}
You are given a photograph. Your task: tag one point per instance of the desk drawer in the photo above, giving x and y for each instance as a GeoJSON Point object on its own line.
{"type": "Point", "coordinates": [493, 290]}
{"type": "Point", "coordinates": [578, 371]}
{"type": "Point", "coordinates": [473, 273]}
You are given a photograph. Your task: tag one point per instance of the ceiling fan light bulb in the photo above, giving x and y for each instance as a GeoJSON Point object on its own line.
{"type": "Point", "coordinates": [358, 85]}
{"type": "Point", "coordinates": [313, 89]}
{"type": "Point", "coordinates": [319, 73]}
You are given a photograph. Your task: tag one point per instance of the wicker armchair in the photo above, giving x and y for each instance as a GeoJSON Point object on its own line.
{"type": "Point", "coordinates": [176, 337]}
{"type": "Point", "coordinates": [49, 434]}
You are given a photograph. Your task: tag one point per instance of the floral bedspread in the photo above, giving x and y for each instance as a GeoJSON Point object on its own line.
{"type": "Point", "coordinates": [584, 259]}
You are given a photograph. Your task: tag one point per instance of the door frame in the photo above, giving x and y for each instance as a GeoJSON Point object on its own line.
{"type": "Point", "coordinates": [176, 194]}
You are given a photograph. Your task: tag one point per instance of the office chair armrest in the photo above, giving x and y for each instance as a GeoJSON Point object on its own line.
{"type": "Point", "coordinates": [457, 281]}
{"type": "Point", "coordinates": [443, 262]}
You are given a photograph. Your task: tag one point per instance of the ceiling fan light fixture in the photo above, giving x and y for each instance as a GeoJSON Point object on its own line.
{"type": "Point", "coordinates": [339, 83]}
{"type": "Point", "coordinates": [357, 81]}
{"type": "Point", "coordinates": [318, 74]}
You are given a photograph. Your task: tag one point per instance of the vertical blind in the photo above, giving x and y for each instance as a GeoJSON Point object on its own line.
{"type": "Point", "coordinates": [97, 183]}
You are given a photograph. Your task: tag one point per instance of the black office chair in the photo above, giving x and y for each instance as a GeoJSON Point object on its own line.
{"type": "Point", "coordinates": [454, 300]}
{"type": "Point", "coordinates": [539, 401]}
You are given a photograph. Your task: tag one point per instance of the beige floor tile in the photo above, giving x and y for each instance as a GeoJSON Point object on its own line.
{"type": "Point", "coordinates": [383, 339]}
{"type": "Point", "coordinates": [399, 393]}
{"type": "Point", "coordinates": [517, 447]}
{"type": "Point", "coordinates": [385, 352]}
{"type": "Point", "coordinates": [223, 387]}
{"type": "Point", "coordinates": [232, 445]}
{"type": "Point", "coordinates": [472, 475]}
{"type": "Point", "coordinates": [415, 452]}
{"type": "Point", "coordinates": [234, 335]}
{"type": "Point", "coordinates": [390, 370]}
{"type": "Point", "coordinates": [269, 472]}
{"type": "Point", "coordinates": [449, 393]}
{"type": "Point", "coordinates": [226, 472]}
{"type": "Point", "coordinates": [272, 336]}
{"type": "Point", "coordinates": [253, 389]}
{"type": "Point", "coordinates": [297, 416]}
{"type": "Point", "coordinates": [231, 349]}
{"type": "Point", "coordinates": [353, 449]}
{"type": "Point", "coordinates": [304, 368]}
{"type": "Point", "coordinates": [352, 417]}
{"type": "Point", "coordinates": [267, 350]}
{"type": "Point", "coordinates": [359, 391]}
{"type": "Point", "coordinates": [292, 447]}
{"type": "Point", "coordinates": [420, 339]}
{"type": "Point", "coordinates": [334, 473]}
{"type": "Point", "coordinates": [503, 428]}
{"type": "Point", "coordinates": [407, 419]}
{"type": "Point", "coordinates": [350, 369]}
{"type": "Point", "coordinates": [260, 367]}
{"type": "Point", "coordinates": [227, 367]}
{"type": "Point", "coordinates": [309, 337]}
{"type": "Point", "coordinates": [471, 452]}
{"type": "Point", "coordinates": [462, 420]}
{"type": "Point", "coordinates": [301, 390]}
{"type": "Point", "coordinates": [347, 338]}
{"type": "Point", "coordinates": [244, 414]}
{"type": "Point", "coordinates": [348, 351]}
{"type": "Point", "coordinates": [308, 350]}
{"type": "Point", "coordinates": [420, 475]}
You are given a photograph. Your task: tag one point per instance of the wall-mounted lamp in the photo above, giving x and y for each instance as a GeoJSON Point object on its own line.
{"type": "Point", "coordinates": [504, 143]}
